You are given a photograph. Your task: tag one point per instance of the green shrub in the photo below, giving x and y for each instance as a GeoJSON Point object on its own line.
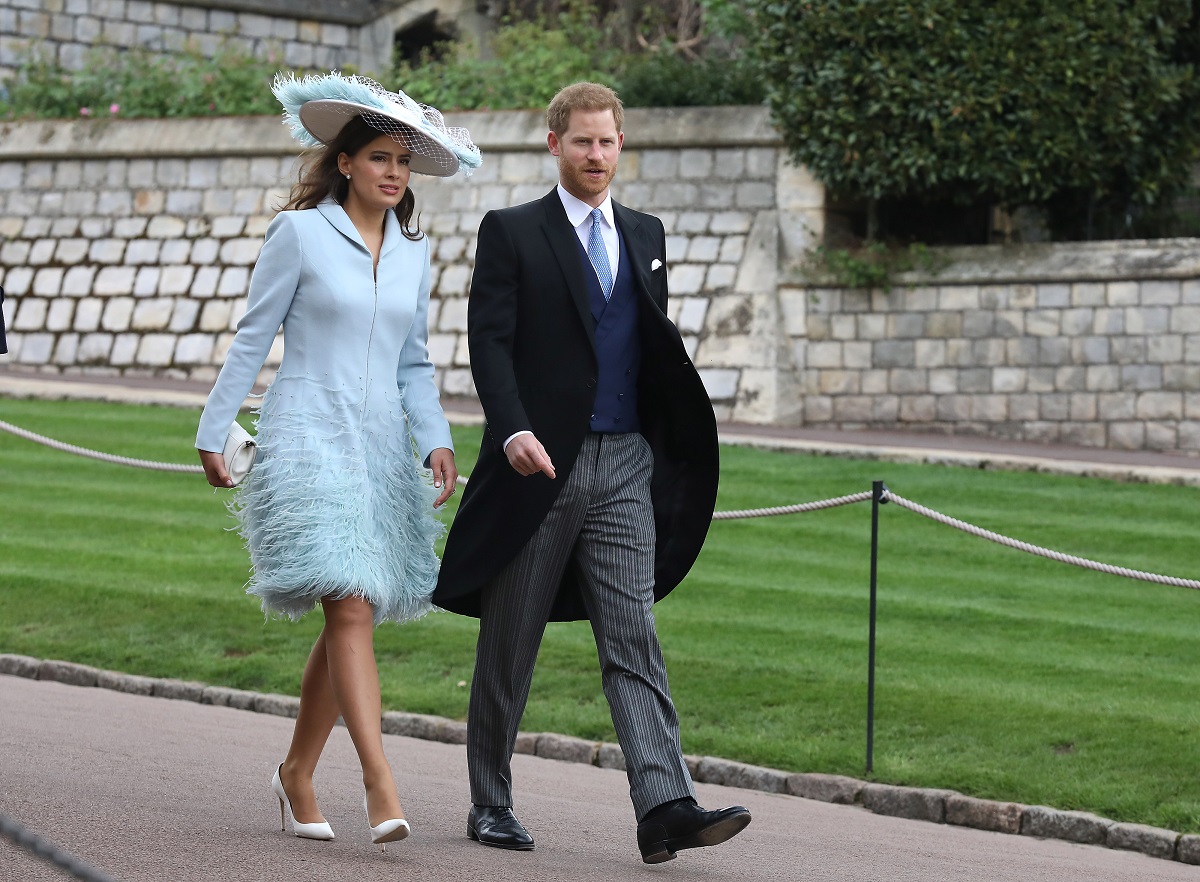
{"type": "Point", "coordinates": [526, 64]}
{"type": "Point", "coordinates": [137, 83]}
{"type": "Point", "coordinates": [1011, 102]}
{"type": "Point", "coordinates": [662, 79]}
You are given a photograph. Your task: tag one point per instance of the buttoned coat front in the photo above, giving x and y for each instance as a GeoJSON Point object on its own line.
{"type": "Point", "coordinates": [533, 359]}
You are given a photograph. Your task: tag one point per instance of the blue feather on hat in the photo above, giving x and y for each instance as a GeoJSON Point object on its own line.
{"type": "Point", "coordinates": [294, 93]}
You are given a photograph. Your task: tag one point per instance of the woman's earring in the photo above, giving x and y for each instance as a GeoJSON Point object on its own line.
{"type": "Point", "coordinates": [347, 176]}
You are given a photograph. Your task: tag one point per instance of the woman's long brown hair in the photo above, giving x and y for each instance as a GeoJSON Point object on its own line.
{"type": "Point", "coordinates": [320, 177]}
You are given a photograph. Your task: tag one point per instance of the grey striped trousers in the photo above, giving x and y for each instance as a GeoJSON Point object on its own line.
{"type": "Point", "coordinates": [603, 524]}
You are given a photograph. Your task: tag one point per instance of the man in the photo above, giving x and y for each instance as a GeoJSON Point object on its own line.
{"type": "Point", "coordinates": [596, 480]}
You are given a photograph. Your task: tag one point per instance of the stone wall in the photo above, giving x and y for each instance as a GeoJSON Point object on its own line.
{"type": "Point", "coordinates": [1094, 344]}
{"type": "Point", "coordinates": [126, 248]}
{"type": "Point", "coordinates": [299, 34]}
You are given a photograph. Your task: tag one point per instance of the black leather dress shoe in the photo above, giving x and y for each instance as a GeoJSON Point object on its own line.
{"type": "Point", "coordinates": [497, 826]}
{"type": "Point", "coordinates": [683, 824]}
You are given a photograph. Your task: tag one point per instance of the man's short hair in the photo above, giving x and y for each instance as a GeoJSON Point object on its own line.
{"type": "Point", "coordinates": [582, 96]}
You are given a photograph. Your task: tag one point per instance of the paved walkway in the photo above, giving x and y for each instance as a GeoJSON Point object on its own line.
{"type": "Point", "coordinates": [149, 789]}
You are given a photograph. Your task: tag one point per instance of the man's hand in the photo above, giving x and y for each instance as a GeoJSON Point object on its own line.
{"type": "Point", "coordinates": [445, 474]}
{"type": "Point", "coordinates": [527, 455]}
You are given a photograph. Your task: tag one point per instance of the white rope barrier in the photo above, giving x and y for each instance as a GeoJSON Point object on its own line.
{"type": "Point", "coordinates": [95, 454]}
{"type": "Point", "coordinates": [1036, 549]}
{"type": "Point", "coordinates": [792, 509]}
{"type": "Point", "coordinates": [888, 496]}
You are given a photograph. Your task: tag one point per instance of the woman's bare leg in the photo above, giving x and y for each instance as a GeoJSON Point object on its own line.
{"type": "Point", "coordinates": [316, 719]}
{"type": "Point", "coordinates": [354, 679]}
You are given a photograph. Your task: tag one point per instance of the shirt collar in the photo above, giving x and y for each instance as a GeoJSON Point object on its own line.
{"type": "Point", "coordinates": [578, 210]}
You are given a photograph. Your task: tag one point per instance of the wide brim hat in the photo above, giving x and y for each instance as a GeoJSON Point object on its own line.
{"type": "Point", "coordinates": [317, 108]}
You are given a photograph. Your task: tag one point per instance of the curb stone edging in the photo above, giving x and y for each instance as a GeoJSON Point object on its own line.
{"type": "Point", "coordinates": [913, 803]}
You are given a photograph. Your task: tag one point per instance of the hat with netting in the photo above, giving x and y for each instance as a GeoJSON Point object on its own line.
{"type": "Point", "coordinates": [318, 106]}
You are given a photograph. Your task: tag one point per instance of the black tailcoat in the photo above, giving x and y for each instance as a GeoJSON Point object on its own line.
{"type": "Point", "coordinates": [533, 359]}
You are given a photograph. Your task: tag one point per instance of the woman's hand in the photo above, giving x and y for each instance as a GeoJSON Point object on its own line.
{"type": "Point", "coordinates": [214, 468]}
{"type": "Point", "coordinates": [445, 474]}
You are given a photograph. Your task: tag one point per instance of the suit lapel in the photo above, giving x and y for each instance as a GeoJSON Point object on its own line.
{"type": "Point", "coordinates": [637, 248]}
{"type": "Point", "coordinates": [565, 245]}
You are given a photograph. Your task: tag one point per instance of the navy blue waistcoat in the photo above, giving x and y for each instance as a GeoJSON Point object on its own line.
{"type": "Point", "coordinates": [618, 347]}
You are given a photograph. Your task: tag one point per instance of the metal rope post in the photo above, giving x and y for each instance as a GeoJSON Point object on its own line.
{"type": "Point", "coordinates": [878, 498]}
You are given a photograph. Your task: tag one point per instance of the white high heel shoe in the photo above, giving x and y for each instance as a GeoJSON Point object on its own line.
{"type": "Point", "coordinates": [389, 831]}
{"type": "Point", "coordinates": [319, 830]}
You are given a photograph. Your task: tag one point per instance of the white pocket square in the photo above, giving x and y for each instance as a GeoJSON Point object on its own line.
{"type": "Point", "coordinates": [655, 264]}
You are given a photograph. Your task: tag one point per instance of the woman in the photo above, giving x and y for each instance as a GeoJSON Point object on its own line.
{"type": "Point", "coordinates": [336, 510]}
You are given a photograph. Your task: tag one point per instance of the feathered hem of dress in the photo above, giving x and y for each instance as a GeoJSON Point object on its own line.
{"type": "Point", "coordinates": [330, 511]}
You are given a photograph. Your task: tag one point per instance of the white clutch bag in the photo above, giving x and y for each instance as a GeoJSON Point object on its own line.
{"type": "Point", "coordinates": [238, 453]}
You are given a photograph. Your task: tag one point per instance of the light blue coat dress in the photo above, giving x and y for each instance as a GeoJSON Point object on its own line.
{"type": "Point", "coordinates": [336, 504]}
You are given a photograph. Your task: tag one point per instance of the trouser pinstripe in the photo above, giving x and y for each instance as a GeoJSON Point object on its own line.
{"type": "Point", "coordinates": [603, 524]}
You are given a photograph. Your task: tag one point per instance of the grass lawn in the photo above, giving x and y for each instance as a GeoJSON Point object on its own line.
{"type": "Point", "coordinates": [1000, 674]}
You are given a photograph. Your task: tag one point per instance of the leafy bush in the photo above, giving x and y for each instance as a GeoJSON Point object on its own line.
{"type": "Point", "coordinates": [527, 61]}
{"type": "Point", "coordinates": [669, 80]}
{"type": "Point", "coordinates": [1011, 102]}
{"type": "Point", "coordinates": [137, 83]}
{"type": "Point", "coordinates": [526, 64]}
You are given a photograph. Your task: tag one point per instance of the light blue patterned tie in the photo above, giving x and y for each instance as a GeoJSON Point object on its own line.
{"type": "Point", "coordinates": [599, 255]}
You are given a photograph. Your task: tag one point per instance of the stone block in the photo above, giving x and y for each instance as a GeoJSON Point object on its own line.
{"type": "Point", "coordinates": [194, 349]}
{"type": "Point", "coordinates": [145, 284]}
{"type": "Point", "coordinates": [733, 774]}
{"type": "Point", "coordinates": [59, 316]}
{"type": "Point", "coordinates": [610, 756]}
{"type": "Point", "coordinates": [64, 349]}
{"type": "Point", "coordinates": [983, 814]}
{"type": "Point", "coordinates": [156, 350]}
{"type": "Point", "coordinates": [687, 278]}
{"type": "Point", "coordinates": [175, 280]}
{"type": "Point", "coordinates": [68, 672]}
{"type": "Point", "coordinates": [277, 705]}
{"type": "Point", "coordinates": [720, 384]}
{"type": "Point", "coordinates": [1049, 823]}
{"type": "Point", "coordinates": [152, 315]}
{"type": "Point", "coordinates": [1159, 406]}
{"type": "Point", "coordinates": [127, 683]}
{"type": "Point", "coordinates": [240, 252]}
{"type": "Point", "coordinates": [854, 409]}
{"type": "Point", "coordinates": [234, 281]}
{"type": "Point", "coordinates": [915, 803]}
{"type": "Point", "coordinates": [1043, 322]}
{"type": "Point", "coordinates": [1153, 841]}
{"type": "Point", "coordinates": [183, 317]}
{"type": "Point", "coordinates": [1185, 320]}
{"type": "Point", "coordinates": [1165, 292]}
{"type": "Point", "coordinates": [1147, 319]}
{"type": "Point", "coordinates": [1188, 849]}
{"type": "Point", "coordinates": [31, 348]}
{"type": "Point", "coordinates": [720, 277]}
{"type": "Point", "coordinates": [124, 349]}
{"type": "Point", "coordinates": [71, 251]}
{"type": "Point", "coordinates": [526, 743]}
{"type": "Point", "coordinates": [241, 699]}
{"type": "Point", "coordinates": [451, 732]}
{"type": "Point", "coordinates": [566, 748]}
{"type": "Point", "coordinates": [205, 282]}
{"type": "Point", "coordinates": [94, 348]}
{"type": "Point", "coordinates": [31, 314]}
{"type": "Point", "coordinates": [20, 666]}
{"type": "Point", "coordinates": [179, 690]}
{"type": "Point", "coordinates": [836, 789]}
{"type": "Point", "coordinates": [894, 353]}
